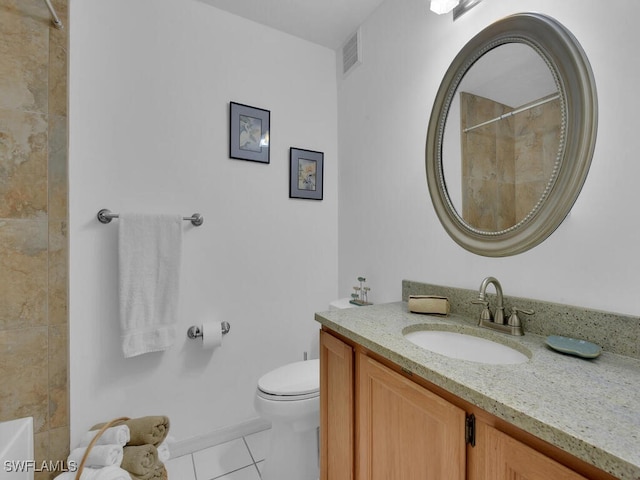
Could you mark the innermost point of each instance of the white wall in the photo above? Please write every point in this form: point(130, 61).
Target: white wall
point(150, 84)
point(389, 230)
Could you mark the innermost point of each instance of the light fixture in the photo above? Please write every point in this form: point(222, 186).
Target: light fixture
point(443, 6)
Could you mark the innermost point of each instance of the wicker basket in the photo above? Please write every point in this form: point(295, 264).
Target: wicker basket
point(112, 423)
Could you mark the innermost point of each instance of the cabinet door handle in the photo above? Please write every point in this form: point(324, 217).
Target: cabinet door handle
point(470, 429)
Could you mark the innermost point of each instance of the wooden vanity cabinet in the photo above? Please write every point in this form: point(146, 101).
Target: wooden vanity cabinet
point(336, 409)
point(379, 423)
point(404, 430)
point(497, 456)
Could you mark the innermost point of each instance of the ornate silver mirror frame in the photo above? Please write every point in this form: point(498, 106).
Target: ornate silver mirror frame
point(572, 72)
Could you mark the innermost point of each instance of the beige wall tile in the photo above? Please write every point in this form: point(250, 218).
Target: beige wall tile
point(58, 376)
point(506, 215)
point(62, 7)
point(24, 376)
point(59, 443)
point(58, 69)
point(33, 223)
point(41, 450)
point(23, 283)
point(24, 55)
point(58, 169)
point(23, 164)
point(51, 449)
point(58, 292)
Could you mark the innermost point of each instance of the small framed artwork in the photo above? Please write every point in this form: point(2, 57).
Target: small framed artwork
point(305, 174)
point(249, 133)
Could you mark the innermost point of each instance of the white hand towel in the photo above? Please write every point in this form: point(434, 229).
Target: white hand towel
point(105, 473)
point(118, 435)
point(99, 456)
point(149, 270)
point(163, 452)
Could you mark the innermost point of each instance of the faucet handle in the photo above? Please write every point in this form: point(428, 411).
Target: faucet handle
point(486, 312)
point(514, 320)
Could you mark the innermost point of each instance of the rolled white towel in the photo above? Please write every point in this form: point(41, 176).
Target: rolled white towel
point(104, 473)
point(163, 452)
point(99, 456)
point(119, 435)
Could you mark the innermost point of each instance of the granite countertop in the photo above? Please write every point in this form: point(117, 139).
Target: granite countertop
point(589, 408)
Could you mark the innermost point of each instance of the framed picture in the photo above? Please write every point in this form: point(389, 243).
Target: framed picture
point(305, 174)
point(249, 133)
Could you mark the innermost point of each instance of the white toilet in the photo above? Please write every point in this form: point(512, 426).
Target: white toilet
point(289, 397)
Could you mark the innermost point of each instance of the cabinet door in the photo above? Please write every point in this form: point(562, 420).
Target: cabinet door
point(405, 432)
point(336, 409)
point(500, 457)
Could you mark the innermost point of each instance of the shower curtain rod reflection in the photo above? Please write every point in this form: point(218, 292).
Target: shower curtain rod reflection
point(521, 109)
point(105, 216)
point(55, 20)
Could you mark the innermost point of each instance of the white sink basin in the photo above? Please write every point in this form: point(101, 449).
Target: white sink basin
point(466, 347)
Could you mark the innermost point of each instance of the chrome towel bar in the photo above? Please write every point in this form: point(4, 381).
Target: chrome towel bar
point(105, 216)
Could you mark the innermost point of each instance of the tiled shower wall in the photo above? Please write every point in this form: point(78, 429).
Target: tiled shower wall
point(33, 223)
point(507, 164)
point(488, 175)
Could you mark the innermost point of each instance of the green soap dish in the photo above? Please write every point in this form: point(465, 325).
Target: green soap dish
point(572, 346)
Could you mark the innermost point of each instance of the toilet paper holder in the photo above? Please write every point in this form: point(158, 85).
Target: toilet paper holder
point(196, 332)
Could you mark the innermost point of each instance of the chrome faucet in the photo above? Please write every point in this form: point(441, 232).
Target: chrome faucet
point(486, 314)
point(496, 322)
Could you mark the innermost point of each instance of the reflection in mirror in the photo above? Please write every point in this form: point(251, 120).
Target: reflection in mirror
point(502, 138)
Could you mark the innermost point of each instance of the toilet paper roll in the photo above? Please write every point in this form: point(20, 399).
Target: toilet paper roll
point(211, 335)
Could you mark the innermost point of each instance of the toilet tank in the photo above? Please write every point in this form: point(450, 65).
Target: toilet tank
point(340, 304)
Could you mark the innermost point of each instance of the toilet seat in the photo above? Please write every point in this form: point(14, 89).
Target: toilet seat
point(287, 398)
point(291, 382)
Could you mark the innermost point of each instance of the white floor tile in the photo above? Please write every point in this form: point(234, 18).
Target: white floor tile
point(247, 473)
point(216, 461)
point(181, 467)
point(258, 443)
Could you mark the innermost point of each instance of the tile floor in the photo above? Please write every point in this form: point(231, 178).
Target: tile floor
point(239, 459)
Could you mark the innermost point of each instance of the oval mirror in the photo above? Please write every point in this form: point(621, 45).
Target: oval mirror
point(511, 135)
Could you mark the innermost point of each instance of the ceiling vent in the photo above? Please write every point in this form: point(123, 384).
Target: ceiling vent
point(352, 53)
